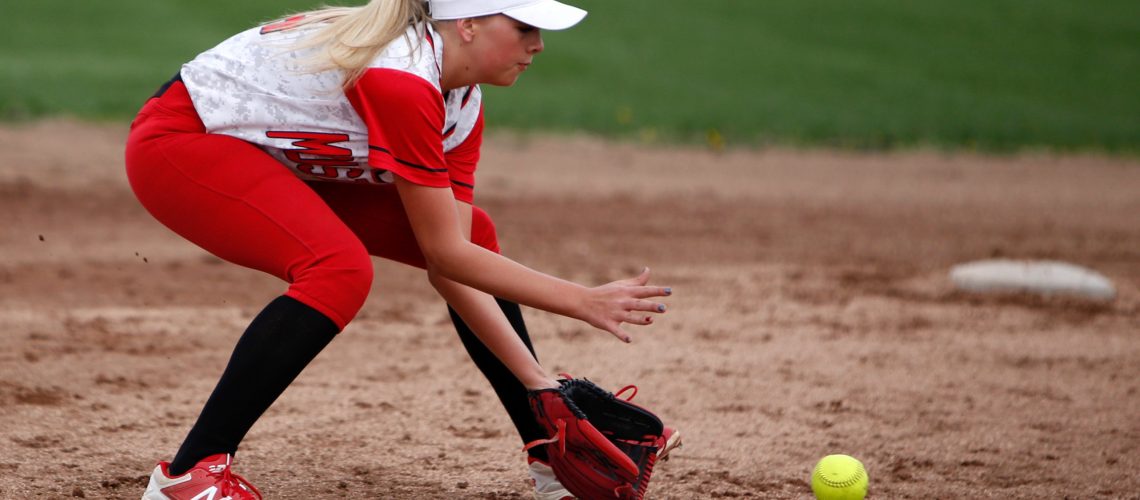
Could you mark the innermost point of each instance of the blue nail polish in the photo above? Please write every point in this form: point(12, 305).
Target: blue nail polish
point(668, 290)
point(660, 307)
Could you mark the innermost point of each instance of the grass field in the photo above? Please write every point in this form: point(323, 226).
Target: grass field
point(995, 75)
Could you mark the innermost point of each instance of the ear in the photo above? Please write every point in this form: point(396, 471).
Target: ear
point(466, 29)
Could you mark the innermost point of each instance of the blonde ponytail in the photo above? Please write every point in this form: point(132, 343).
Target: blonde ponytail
point(351, 37)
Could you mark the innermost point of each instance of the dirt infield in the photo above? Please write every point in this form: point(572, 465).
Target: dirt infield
point(812, 314)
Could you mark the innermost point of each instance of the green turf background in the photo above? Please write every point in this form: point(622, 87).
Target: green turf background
point(996, 75)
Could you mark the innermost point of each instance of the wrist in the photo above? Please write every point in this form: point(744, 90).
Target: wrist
point(543, 382)
point(578, 303)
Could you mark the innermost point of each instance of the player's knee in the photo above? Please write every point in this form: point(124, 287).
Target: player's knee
point(483, 230)
point(356, 276)
point(339, 281)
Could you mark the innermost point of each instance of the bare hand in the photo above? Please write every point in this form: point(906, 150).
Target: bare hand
point(623, 301)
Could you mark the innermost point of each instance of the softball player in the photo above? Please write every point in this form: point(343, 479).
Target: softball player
point(303, 147)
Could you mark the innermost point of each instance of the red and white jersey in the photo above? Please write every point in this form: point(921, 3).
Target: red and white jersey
point(393, 120)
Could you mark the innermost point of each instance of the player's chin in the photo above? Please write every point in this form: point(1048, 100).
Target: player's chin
point(506, 79)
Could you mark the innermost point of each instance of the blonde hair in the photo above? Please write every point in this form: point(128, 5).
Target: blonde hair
point(351, 37)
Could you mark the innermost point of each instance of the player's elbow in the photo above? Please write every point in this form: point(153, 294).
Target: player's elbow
point(445, 259)
point(436, 279)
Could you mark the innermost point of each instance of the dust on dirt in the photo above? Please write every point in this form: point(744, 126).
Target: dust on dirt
point(812, 315)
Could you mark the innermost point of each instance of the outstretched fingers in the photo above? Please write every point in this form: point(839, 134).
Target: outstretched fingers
point(637, 318)
point(637, 286)
point(628, 301)
point(644, 292)
point(639, 311)
point(632, 318)
point(645, 305)
point(620, 333)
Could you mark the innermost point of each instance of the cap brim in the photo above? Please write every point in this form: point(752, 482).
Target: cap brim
point(547, 15)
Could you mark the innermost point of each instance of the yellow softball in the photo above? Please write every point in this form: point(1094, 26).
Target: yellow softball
point(839, 477)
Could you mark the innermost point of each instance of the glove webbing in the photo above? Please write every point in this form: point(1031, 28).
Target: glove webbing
point(602, 405)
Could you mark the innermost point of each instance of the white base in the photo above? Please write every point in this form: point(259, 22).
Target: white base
point(1041, 277)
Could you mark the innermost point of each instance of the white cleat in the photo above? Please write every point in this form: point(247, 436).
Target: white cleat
point(546, 486)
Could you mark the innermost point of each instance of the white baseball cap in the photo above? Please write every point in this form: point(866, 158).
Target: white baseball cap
point(543, 14)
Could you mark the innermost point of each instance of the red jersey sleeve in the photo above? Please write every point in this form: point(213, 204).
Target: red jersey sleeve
point(462, 160)
point(404, 115)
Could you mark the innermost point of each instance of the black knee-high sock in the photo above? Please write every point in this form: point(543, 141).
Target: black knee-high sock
point(511, 392)
point(278, 344)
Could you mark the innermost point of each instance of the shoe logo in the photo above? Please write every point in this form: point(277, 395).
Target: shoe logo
point(216, 469)
point(208, 493)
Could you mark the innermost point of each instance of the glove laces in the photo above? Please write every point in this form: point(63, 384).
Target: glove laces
point(559, 437)
point(626, 388)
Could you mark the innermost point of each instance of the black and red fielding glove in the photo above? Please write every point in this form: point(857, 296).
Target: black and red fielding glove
point(600, 446)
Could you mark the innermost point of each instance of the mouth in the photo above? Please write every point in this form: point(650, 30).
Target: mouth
point(524, 65)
